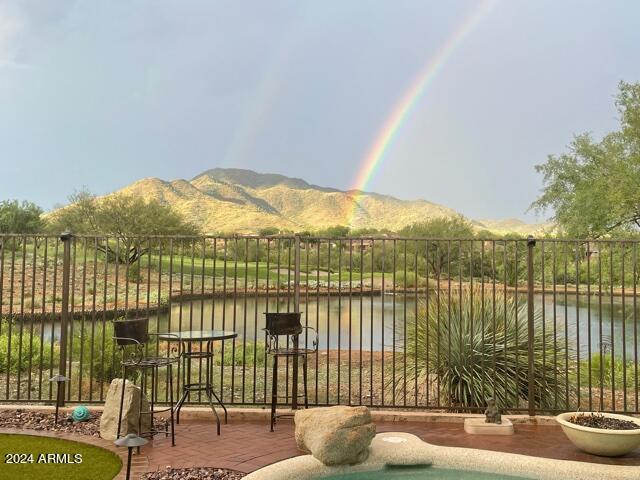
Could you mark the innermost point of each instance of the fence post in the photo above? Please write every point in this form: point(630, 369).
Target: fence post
point(531, 243)
point(66, 238)
point(296, 308)
point(296, 275)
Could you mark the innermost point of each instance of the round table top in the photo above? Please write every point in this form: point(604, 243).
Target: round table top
point(198, 335)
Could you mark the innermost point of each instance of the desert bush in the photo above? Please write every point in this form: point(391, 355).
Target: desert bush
point(236, 358)
point(24, 351)
point(610, 369)
point(475, 359)
point(100, 355)
point(409, 280)
point(133, 273)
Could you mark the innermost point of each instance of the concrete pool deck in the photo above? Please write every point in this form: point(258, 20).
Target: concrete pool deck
point(246, 444)
point(404, 449)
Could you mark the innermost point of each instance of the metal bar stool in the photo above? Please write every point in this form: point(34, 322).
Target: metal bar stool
point(287, 324)
point(132, 337)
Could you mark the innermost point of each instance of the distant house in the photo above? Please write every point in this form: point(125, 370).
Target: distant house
point(363, 245)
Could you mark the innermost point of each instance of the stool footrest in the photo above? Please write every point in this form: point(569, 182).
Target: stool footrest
point(168, 409)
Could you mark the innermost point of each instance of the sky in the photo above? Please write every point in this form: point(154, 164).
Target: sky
point(100, 93)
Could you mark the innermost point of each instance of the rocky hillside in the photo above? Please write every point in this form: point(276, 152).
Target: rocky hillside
point(244, 201)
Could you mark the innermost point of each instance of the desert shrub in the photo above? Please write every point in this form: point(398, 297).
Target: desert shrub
point(409, 280)
point(612, 371)
point(474, 360)
point(133, 274)
point(99, 360)
point(236, 358)
point(30, 349)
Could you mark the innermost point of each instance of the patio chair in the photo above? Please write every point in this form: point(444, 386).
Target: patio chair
point(283, 340)
point(132, 336)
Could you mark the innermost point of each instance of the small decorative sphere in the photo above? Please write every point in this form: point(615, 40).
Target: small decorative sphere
point(80, 414)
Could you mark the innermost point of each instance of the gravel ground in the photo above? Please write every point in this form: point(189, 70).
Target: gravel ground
point(45, 421)
point(193, 474)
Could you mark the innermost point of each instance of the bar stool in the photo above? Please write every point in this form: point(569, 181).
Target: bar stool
point(287, 324)
point(132, 337)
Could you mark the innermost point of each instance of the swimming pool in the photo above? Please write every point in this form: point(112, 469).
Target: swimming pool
point(420, 473)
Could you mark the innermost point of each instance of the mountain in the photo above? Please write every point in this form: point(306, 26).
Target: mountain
point(244, 201)
point(514, 225)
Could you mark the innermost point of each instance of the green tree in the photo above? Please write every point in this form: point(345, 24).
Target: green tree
point(336, 231)
point(124, 218)
point(268, 231)
point(440, 254)
point(20, 217)
point(594, 188)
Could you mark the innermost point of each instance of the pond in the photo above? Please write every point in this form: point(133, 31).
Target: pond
point(369, 322)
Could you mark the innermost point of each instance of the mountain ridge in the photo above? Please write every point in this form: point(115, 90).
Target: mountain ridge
point(245, 201)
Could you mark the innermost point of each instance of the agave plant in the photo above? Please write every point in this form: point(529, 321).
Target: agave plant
point(472, 348)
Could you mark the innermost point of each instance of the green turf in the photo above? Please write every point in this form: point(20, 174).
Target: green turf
point(97, 463)
point(242, 269)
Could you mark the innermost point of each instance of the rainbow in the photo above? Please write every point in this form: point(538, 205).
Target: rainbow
point(411, 97)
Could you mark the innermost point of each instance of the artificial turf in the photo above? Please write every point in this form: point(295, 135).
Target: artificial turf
point(90, 463)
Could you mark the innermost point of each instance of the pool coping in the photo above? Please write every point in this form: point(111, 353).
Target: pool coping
point(411, 450)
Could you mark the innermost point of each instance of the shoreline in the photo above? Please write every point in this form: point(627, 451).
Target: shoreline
point(114, 311)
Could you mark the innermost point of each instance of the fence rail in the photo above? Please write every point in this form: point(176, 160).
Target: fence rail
point(439, 324)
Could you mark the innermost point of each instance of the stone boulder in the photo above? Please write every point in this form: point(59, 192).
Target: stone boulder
point(335, 435)
point(130, 408)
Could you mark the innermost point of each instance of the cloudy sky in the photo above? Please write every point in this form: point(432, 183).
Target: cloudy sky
point(101, 93)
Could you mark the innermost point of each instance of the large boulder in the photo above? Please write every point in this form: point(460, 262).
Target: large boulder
point(335, 435)
point(130, 409)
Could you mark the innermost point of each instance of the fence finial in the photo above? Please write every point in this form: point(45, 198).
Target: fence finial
point(531, 242)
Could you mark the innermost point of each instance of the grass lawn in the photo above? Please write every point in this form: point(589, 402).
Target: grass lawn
point(96, 463)
point(243, 269)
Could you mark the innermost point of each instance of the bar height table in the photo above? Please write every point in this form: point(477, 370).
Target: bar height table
point(186, 339)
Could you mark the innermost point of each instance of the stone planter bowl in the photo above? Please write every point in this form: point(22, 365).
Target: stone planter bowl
point(597, 441)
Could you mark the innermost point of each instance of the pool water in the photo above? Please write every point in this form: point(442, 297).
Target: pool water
point(421, 473)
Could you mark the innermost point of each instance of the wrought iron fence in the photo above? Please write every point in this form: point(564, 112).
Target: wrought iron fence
point(403, 322)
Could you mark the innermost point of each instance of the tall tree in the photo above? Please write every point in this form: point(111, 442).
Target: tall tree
point(123, 217)
point(441, 252)
point(594, 188)
point(20, 217)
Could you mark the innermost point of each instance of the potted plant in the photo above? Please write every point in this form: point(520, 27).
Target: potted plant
point(606, 434)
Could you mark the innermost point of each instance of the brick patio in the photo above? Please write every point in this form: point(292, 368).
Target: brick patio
point(247, 446)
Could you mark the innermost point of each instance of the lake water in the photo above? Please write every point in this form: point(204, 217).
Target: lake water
point(370, 322)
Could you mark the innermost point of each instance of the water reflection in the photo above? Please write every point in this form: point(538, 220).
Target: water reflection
point(368, 323)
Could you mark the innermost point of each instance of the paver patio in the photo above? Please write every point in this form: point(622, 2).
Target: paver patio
point(247, 446)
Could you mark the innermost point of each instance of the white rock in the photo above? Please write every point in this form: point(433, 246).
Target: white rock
point(335, 435)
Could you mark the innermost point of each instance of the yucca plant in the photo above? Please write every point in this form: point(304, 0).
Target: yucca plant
point(473, 349)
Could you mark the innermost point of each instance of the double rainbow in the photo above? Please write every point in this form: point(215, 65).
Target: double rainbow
point(411, 97)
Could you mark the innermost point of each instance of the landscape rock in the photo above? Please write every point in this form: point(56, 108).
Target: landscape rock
point(337, 435)
point(130, 408)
